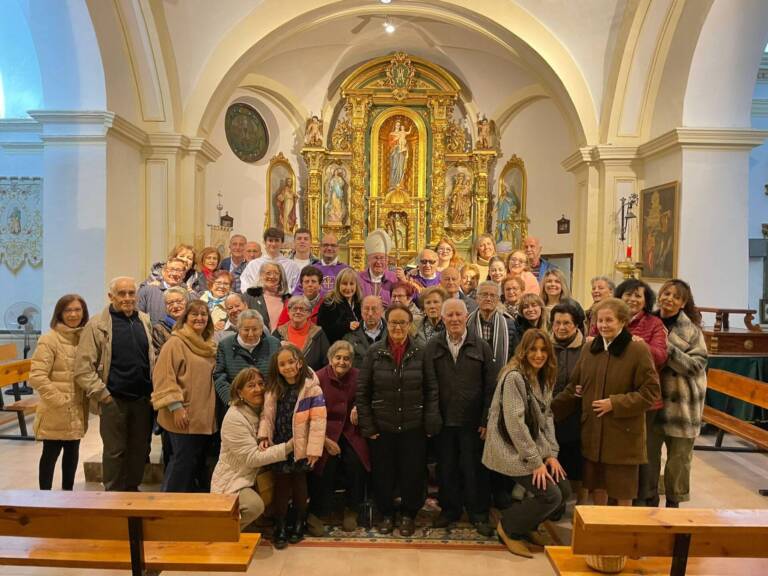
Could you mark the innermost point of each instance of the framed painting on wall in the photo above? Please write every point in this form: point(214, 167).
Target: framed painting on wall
point(659, 218)
point(246, 132)
point(510, 211)
point(283, 208)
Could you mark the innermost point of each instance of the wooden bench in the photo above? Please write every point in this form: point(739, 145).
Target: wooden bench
point(123, 530)
point(718, 542)
point(12, 374)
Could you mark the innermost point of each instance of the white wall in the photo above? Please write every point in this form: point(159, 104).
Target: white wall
point(538, 134)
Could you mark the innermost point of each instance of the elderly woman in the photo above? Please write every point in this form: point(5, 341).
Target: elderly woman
point(340, 312)
point(250, 346)
point(484, 250)
point(207, 263)
point(683, 388)
point(470, 277)
point(185, 399)
point(397, 408)
point(404, 294)
point(517, 264)
point(183, 252)
point(61, 419)
point(176, 299)
point(447, 255)
point(241, 458)
point(602, 288)
point(219, 288)
point(512, 288)
point(305, 335)
point(520, 440)
point(615, 383)
point(431, 324)
point(346, 451)
point(270, 295)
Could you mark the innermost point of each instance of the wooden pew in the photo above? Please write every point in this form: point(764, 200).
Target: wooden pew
point(718, 542)
point(123, 530)
point(12, 374)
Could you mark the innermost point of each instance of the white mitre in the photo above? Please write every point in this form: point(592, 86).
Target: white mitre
point(378, 242)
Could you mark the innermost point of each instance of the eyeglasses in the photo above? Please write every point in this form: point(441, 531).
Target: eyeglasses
point(325, 245)
point(175, 270)
point(175, 303)
point(221, 284)
point(399, 323)
point(430, 262)
point(487, 296)
point(299, 309)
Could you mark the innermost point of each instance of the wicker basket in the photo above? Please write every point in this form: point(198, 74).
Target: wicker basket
point(606, 564)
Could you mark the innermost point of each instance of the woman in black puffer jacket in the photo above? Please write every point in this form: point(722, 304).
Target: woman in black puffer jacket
point(397, 408)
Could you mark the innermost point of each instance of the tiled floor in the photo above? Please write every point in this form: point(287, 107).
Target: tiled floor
point(720, 479)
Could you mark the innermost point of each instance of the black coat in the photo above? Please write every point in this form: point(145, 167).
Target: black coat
point(465, 387)
point(394, 398)
point(568, 431)
point(361, 343)
point(335, 319)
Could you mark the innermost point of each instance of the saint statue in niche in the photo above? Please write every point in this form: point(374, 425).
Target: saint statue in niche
point(313, 134)
point(460, 200)
point(398, 154)
point(286, 199)
point(506, 211)
point(336, 194)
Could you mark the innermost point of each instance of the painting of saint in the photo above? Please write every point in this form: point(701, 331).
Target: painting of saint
point(286, 199)
point(336, 211)
point(658, 233)
point(460, 199)
point(508, 207)
point(399, 154)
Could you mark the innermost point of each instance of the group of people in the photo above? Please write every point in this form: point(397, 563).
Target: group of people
point(306, 371)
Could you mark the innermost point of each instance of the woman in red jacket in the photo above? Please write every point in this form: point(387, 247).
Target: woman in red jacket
point(640, 299)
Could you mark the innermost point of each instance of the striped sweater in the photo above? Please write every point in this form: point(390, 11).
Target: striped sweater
point(309, 418)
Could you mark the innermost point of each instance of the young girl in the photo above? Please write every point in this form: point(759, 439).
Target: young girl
point(294, 408)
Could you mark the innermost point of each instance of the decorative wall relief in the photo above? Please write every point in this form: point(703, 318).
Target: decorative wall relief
point(21, 222)
point(246, 132)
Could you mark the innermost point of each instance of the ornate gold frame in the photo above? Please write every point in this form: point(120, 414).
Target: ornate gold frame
point(521, 222)
point(275, 161)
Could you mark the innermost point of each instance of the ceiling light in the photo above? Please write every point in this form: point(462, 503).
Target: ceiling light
point(385, 1)
point(389, 28)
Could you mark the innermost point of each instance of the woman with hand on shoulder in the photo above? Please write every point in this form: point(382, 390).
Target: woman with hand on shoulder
point(683, 389)
point(219, 288)
point(61, 419)
point(520, 440)
point(241, 457)
point(185, 399)
point(176, 299)
point(305, 335)
point(340, 312)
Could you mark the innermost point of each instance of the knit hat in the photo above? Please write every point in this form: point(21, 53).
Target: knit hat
point(378, 242)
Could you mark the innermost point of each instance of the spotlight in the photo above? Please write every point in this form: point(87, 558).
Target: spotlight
point(385, 1)
point(389, 28)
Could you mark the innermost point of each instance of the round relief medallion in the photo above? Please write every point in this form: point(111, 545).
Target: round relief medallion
point(246, 132)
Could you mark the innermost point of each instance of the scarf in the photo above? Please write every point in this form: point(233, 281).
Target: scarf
point(205, 348)
point(500, 335)
point(298, 336)
point(71, 335)
point(213, 301)
point(397, 350)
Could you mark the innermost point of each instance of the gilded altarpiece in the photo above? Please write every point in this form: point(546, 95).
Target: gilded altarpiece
point(396, 158)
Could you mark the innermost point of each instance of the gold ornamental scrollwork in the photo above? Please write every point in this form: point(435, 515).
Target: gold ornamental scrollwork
point(315, 160)
point(401, 76)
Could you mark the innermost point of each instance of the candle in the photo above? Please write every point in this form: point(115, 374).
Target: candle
point(629, 251)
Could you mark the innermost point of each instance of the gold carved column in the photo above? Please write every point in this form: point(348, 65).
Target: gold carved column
point(482, 161)
point(359, 107)
point(315, 159)
point(441, 109)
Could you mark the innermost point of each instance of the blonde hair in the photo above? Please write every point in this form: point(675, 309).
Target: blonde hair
point(565, 292)
point(335, 296)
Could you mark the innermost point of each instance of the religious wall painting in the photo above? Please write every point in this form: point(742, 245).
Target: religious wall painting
point(283, 208)
point(459, 182)
point(336, 195)
point(21, 222)
point(659, 215)
point(510, 212)
point(246, 132)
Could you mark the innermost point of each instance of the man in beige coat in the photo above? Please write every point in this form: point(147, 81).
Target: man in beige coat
point(113, 364)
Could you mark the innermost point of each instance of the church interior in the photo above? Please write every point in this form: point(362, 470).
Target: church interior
point(627, 136)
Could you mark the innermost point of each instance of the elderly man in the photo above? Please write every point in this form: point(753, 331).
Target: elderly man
point(236, 261)
point(425, 275)
point(151, 295)
point(234, 304)
point(113, 364)
point(538, 265)
point(329, 265)
point(450, 280)
point(274, 238)
point(302, 248)
point(376, 279)
point(372, 329)
point(252, 251)
point(493, 325)
point(463, 366)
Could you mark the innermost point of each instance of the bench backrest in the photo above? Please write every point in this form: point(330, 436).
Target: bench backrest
point(737, 386)
point(619, 530)
point(14, 372)
point(8, 352)
point(104, 515)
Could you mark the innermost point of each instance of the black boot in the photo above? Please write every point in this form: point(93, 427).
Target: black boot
point(280, 534)
point(297, 534)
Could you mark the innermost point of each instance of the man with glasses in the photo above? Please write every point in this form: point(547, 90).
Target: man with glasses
point(236, 261)
point(371, 330)
point(426, 274)
point(329, 264)
point(376, 279)
point(493, 324)
point(151, 296)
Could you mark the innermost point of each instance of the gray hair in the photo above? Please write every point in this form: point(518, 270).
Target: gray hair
point(611, 283)
point(299, 299)
point(283, 288)
point(236, 295)
point(177, 290)
point(249, 314)
point(113, 283)
point(453, 300)
point(496, 287)
point(338, 345)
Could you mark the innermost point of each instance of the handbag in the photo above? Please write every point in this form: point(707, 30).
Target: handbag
point(530, 418)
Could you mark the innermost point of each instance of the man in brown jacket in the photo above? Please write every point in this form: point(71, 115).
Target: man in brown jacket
point(113, 365)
